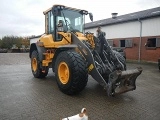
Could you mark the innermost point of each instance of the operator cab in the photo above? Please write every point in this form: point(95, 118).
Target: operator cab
point(64, 19)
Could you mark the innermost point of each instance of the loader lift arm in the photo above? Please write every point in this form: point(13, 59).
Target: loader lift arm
point(118, 80)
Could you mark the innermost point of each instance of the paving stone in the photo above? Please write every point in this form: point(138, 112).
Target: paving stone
point(23, 97)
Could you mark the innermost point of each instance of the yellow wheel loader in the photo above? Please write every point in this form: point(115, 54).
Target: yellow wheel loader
point(73, 54)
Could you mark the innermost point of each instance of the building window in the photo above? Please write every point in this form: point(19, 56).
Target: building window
point(153, 42)
point(122, 43)
point(126, 43)
point(157, 42)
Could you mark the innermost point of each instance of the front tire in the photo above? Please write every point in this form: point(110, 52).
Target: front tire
point(36, 66)
point(71, 72)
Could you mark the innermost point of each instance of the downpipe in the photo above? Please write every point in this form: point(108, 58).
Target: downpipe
point(140, 41)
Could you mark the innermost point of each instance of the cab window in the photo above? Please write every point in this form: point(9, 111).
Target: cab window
point(50, 22)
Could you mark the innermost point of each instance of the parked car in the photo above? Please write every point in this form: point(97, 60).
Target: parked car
point(120, 50)
point(159, 63)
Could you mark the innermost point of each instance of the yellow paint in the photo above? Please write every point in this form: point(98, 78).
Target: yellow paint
point(91, 39)
point(63, 73)
point(48, 57)
point(34, 64)
point(82, 38)
point(49, 41)
point(90, 68)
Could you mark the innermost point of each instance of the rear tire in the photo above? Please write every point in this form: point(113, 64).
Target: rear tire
point(36, 66)
point(71, 72)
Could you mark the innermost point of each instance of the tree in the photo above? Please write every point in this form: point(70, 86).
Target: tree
point(25, 42)
point(9, 41)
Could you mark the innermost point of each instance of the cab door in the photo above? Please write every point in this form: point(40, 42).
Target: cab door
point(50, 24)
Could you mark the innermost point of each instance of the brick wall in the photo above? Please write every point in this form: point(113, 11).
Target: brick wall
point(133, 52)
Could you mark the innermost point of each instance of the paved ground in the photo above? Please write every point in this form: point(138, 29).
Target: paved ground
point(22, 97)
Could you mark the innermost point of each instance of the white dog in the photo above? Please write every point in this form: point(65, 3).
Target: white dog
point(81, 116)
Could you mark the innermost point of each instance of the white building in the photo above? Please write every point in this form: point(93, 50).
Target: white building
point(138, 33)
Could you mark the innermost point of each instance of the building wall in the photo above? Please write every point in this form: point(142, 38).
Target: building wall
point(123, 30)
point(150, 27)
point(147, 54)
point(131, 30)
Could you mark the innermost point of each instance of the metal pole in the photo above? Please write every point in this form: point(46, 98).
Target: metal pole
point(140, 41)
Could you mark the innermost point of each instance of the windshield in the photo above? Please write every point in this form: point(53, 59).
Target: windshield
point(72, 19)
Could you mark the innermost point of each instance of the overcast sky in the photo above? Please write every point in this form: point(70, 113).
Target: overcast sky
point(25, 17)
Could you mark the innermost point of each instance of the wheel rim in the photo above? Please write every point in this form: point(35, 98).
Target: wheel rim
point(34, 64)
point(63, 73)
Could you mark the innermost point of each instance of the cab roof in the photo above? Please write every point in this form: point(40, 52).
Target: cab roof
point(45, 12)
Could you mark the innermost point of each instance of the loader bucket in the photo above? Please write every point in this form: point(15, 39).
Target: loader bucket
point(122, 81)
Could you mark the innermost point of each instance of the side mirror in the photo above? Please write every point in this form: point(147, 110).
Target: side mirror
point(91, 16)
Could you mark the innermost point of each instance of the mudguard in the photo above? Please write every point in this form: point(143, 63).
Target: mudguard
point(40, 50)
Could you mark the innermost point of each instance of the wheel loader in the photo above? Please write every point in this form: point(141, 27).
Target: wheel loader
point(73, 54)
